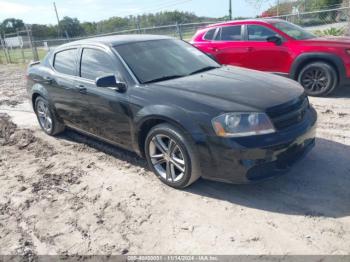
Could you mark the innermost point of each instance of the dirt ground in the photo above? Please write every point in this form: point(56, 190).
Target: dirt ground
point(74, 195)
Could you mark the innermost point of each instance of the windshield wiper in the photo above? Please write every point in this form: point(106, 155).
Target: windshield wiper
point(163, 78)
point(207, 68)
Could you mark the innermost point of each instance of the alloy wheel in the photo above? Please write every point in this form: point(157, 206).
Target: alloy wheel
point(167, 158)
point(44, 116)
point(315, 80)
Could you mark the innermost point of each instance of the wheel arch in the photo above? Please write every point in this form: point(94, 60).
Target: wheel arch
point(149, 117)
point(34, 97)
point(304, 59)
point(38, 90)
point(148, 123)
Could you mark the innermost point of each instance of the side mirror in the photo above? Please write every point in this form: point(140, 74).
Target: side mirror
point(275, 39)
point(111, 82)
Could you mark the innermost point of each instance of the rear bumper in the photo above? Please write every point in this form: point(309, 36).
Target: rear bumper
point(252, 159)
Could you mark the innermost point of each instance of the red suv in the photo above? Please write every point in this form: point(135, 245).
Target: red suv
point(276, 46)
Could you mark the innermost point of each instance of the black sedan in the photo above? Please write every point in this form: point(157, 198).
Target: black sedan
point(169, 102)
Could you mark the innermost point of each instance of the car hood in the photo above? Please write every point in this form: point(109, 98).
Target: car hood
point(246, 87)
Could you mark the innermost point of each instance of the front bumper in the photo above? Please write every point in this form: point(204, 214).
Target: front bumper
point(284, 160)
point(244, 160)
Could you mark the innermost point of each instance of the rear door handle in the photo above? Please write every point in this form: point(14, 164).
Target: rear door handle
point(81, 88)
point(249, 49)
point(214, 49)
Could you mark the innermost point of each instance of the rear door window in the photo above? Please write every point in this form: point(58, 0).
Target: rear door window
point(230, 33)
point(65, 62)
point(210, 34)
point(95, 63)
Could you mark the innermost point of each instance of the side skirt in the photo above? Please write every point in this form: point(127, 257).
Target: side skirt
point(99, 138)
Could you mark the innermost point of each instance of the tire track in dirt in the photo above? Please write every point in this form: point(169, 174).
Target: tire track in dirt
point(53, 173)
point(12, 85)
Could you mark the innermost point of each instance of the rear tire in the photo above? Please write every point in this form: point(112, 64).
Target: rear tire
point(318, 79)
point(171, 156)
point(47, 118)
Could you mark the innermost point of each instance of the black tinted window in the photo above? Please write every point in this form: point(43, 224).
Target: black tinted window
point(259, 33)
point(65, 62)
point(210, 34)
point(231, 33)
point(95, 63)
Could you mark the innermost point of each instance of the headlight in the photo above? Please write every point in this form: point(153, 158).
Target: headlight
point(242, 124)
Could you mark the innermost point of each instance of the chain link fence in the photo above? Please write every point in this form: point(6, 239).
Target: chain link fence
point(337, 18)
point(21, 47)
point(18, 47)
point(181, 31)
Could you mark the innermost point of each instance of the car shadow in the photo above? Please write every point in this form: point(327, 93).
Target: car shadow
point(117, 152)
point(317, 186)
point(342, 92)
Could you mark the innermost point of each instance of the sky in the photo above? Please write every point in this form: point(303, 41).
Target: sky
point(42, 11)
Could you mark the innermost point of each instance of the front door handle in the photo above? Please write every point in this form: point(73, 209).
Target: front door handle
point(81, 88)
point(249, 49)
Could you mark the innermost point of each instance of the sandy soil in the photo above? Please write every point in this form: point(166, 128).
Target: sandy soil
point(74, 195)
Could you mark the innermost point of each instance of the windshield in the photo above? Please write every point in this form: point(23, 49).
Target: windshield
point(293, 31)
point(159, 60)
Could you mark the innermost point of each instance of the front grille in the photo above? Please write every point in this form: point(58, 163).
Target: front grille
point(288, 114)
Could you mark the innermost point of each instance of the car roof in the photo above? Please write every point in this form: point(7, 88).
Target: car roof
point(260, 20)
point(115, 40)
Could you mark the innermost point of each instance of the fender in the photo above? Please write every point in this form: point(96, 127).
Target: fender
point(302, 59)
point(170, 114)
point(38, 89)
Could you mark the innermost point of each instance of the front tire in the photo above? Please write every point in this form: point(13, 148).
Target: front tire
point(318, 79)
point(171, 156)
point(47, 118)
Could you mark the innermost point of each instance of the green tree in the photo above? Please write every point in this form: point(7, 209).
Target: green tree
point(43, 31)
point(74, 28)
point(331, 3)
point(113, 24)
point(148, 20)
point(71, 26)
point(89, 28)
point(11, 25)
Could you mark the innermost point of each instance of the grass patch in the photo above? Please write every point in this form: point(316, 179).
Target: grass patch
point(21, 55)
